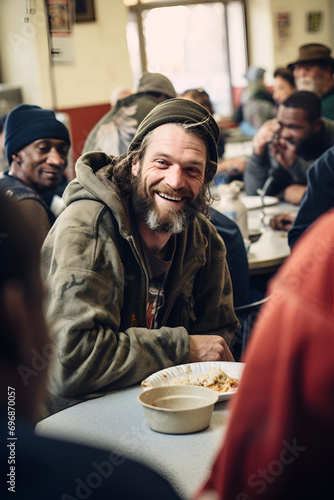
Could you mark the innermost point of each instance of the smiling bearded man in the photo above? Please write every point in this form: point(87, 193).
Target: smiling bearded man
point(166, 205)
point(136, 275)
point(144, 206)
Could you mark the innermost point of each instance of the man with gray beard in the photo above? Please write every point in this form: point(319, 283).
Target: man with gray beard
point(313, 71)
point(136, 275)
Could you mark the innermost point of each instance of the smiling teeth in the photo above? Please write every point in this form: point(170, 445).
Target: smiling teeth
point(171, 198)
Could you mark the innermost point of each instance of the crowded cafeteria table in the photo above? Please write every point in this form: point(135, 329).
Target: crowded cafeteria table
point(116, 421)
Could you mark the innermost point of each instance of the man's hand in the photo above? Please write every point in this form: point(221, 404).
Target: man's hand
point(208, 348)
point(265, 135)
point(284, 152)
point(282, 222)
point(294, 193)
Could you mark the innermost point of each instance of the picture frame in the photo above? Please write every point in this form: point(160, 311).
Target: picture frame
point(84, 11)
point(314, 21)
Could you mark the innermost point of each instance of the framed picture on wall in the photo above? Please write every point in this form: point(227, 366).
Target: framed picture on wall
point(314, 21)
point(84, 11)
point(283, 24)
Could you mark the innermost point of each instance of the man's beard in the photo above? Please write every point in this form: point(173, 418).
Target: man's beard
point(307, 83)
point(173, 221)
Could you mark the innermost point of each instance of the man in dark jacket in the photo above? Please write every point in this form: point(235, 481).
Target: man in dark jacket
point(285, 148)
point(37, 146)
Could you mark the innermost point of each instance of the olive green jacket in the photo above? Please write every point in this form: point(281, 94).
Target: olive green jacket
point(96, 292)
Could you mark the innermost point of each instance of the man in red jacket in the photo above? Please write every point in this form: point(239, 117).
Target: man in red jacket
point(280, 439)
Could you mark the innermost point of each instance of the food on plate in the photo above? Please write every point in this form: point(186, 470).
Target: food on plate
point(215, 379)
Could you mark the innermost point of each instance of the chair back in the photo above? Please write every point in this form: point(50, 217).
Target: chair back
point(246, 315)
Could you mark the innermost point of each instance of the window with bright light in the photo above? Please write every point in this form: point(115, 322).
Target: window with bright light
point(197, 45)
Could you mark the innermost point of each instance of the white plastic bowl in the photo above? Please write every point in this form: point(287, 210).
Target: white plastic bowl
point(178, 409)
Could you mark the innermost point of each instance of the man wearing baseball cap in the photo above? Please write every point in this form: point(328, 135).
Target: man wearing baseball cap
point(116, 129)
point(136, 275)
point(313, 71)
point(36, 145)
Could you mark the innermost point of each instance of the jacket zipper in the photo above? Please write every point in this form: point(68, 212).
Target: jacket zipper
point(141, 263)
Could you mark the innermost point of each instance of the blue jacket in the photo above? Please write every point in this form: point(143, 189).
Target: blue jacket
point(319, 196)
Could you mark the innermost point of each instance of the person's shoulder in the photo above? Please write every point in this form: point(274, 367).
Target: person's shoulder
point(312, 256)
point(11, 181)
point(328, 95)
point(203, 222)
point(328, 123)
point(220, 220)
point(203, 225)
point(13, 186)
point(82, 215)
point(327, 104)
point(145, 103)
point(323, 165)
point(139, 99)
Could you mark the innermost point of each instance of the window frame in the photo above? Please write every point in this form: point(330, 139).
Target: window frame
point(138, 9)
point(135, 13)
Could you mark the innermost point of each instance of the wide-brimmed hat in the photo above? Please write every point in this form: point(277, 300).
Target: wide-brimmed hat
point(313, 52)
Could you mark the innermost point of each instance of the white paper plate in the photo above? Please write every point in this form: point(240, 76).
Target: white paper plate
point(252, 202)
point(166, 375)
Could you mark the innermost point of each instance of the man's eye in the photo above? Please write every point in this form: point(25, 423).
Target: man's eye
point(193, 170)
point(161, 162)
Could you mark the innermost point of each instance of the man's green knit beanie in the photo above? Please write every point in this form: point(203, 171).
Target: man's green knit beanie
point(188, 112)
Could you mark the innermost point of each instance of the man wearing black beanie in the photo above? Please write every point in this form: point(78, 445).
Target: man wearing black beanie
point(37, 147)
point(136, 275)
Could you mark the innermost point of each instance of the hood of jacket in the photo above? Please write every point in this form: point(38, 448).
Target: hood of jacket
point(92, 183)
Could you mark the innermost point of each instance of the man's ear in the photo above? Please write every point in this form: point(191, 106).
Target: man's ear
point(17, 157)
point(316, 125)
point(135, 167)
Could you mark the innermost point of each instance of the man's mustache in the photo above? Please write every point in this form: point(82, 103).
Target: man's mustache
point(173, 193)
point(306, 83)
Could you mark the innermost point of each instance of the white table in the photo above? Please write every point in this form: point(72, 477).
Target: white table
point(270, 251)
point(117, 421)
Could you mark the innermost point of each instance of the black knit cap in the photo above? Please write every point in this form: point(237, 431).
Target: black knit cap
point(180, 110)
point(27, 123)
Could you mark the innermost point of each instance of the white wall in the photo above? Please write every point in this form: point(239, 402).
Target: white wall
point(101, 60)
point(260, 37)
point(269, 51)
point(19, 49)
point(288, 51)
